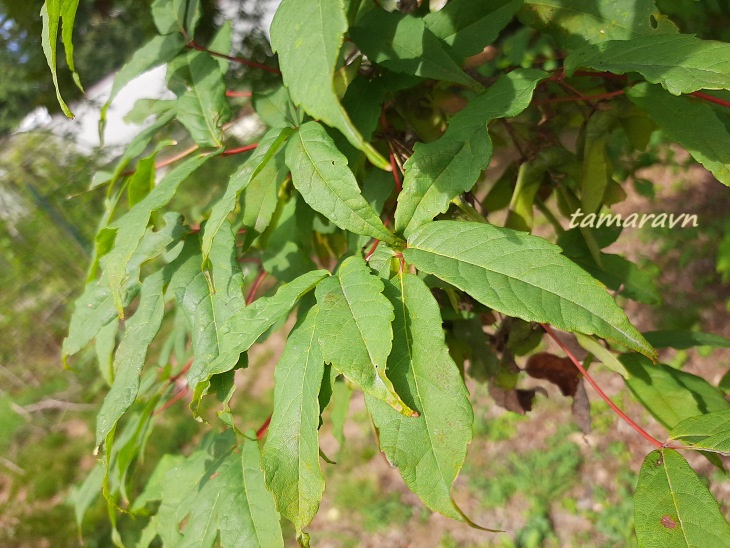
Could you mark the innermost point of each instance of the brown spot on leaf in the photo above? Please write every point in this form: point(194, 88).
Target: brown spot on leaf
point(668, 522)
point(559, 371)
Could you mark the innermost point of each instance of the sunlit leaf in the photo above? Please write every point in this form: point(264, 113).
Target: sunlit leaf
point(523, 276)
point(319, 26)
point(291, 454)
point(672, 507)
point(354, 329)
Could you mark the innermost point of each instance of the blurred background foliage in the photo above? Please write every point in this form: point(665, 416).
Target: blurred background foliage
point(47, 222)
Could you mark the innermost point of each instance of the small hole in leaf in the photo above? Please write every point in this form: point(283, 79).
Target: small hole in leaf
point(653, 22)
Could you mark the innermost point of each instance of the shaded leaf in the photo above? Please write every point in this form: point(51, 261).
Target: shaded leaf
point(355, 332)
point(520, 275)
point(441, 170)
point(320, 173)
point(672, 507)
point(710, 432)
point(290, 458)
point(681, 63)
point(682, 340)
point(262, 155)
point(691, 123)
point(176, 16)
point(603, 354)
point(286, 254)
point(131, 226)
point(575, 22)
point(668, 394)
point(129, 359)
point(428, 450)
point(203, 109)
point(260, 197)
point(402, 43)
point(468, 27)
point(319, 26)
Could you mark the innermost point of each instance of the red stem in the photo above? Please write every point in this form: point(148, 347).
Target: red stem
point(601, 393)
point(231, 93)
point(255, 287)
point(261, 432)
point(193, 44)
point(711, 98)
point(172, 401)
point(372, 250)
point(232, 151)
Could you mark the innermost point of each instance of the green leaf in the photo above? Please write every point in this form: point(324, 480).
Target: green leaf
point(222, 42)
point(158, 51)
point(144, 108)
point(428, 450)
point(176, 16)
point(131, 226)
point(575, 22)
point(441, 170)
point(203, 109)
point(267, 149)
point(261, 197)
point(290, 457)
point(249, 323)
point(233, 504)
point(84, 495)
point(468, 27)
point(319, 27)
point(402, 44)
point(672, 507)
point(355, 332)
point(596, 164)
point(681, 63)
point(603, 354)
point(275, 107)
point(218, 493)
point(690, 122)
point(709, 432)
point(129, 359)
point(106, 342)
point(286, 254)
point(208, 311)
point(52, 12)
point(523, 276)
point(682, 340)
point(320, 173)
point(671, 395)
point(142, 181)
point(95, 308)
